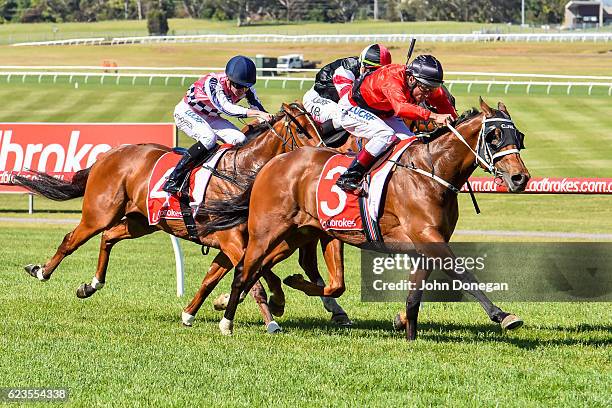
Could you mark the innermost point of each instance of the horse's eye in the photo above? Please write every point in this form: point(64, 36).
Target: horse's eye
point(493, 137)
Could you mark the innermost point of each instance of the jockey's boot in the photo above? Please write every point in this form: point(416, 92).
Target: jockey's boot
point(350, 180)
point(190, 159)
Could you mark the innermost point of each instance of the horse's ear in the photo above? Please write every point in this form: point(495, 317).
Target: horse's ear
point(502, 107)
point(485, 108)
point(284, 106)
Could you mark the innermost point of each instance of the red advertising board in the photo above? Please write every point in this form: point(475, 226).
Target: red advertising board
point(546, 185)
point(63, 148)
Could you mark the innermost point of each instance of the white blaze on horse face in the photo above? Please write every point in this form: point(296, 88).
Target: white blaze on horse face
point(331, 212)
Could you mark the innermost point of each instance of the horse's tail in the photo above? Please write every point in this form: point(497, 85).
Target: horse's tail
point(53, 188)
point(229, 211)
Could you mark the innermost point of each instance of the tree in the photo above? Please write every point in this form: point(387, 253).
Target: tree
point(157, 22)
point(392, 12)
point(8, 9)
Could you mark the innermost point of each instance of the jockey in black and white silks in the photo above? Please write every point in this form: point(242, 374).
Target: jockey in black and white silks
point(336, 79)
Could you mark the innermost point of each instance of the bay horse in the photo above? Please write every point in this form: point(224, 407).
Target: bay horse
point(114, 191)
point(420, 207)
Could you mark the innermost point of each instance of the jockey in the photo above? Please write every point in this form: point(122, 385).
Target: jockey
point(335, 79)
point(198, 114)
point(378, 102)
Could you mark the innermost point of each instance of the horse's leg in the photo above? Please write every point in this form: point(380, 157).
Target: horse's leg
point(333, 252)
point(434, 245)
point(71, 242)
point(218, 269)
point(128, 228)
point(247, 271)
point(276, 302)
point(413, 303)
point(308, 262)
point(261, 298)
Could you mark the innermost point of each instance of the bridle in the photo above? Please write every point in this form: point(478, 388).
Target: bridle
point(291, 137)
point(486, 153)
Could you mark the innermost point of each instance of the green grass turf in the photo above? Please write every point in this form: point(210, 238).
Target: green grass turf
point(125, 346)
point(10, 33)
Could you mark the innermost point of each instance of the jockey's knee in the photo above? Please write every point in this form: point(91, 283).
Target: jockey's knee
point(234, 138)
point(380, 142)
point(207, 141)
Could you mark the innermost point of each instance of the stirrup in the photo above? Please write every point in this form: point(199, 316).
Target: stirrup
point(355, 187)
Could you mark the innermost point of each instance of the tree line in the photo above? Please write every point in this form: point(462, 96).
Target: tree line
point(246, 12)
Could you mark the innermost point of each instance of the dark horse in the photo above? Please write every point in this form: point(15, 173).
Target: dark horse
point(419, 207)
point(114, 192)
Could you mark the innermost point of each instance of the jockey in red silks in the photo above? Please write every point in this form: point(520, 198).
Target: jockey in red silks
point(335, 79)
point(198, 114)
point(379, 101)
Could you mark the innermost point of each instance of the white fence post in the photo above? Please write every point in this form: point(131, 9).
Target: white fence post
point(180, 270)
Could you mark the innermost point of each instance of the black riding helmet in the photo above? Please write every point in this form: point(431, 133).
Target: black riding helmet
point(427, 70)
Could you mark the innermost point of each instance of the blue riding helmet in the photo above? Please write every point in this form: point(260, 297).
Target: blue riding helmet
point(241, 70)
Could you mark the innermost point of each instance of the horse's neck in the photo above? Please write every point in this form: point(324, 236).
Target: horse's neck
point(263, 147)
point(452, 159)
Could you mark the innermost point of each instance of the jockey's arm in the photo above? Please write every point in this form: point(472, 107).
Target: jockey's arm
point(401, 106)
point(343, 80)
point(253, 100)
point(221, 102)
point(439, 99)
point(256, 108)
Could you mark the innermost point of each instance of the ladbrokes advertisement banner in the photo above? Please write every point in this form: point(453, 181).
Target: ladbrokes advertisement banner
point(62, 149)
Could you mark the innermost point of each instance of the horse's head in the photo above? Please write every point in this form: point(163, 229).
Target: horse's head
point(499, 145)
point(299, 126)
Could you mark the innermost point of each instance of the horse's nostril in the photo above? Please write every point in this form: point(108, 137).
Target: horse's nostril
point(518, 179)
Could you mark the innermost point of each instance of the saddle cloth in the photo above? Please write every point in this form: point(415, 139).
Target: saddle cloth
point(163, 205)
point(339, 210)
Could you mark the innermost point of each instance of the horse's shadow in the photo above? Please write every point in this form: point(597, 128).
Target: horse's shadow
point(458, 332)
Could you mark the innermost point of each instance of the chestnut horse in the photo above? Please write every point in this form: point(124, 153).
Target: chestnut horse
point(114, 192)
point(419, 208)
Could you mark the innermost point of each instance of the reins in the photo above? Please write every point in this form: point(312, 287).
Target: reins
point(487, 162)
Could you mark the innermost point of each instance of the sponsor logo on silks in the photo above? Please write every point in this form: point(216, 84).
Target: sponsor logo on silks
point(321, 101)
point(361, 113)
point(342, 223)
point(194, 116)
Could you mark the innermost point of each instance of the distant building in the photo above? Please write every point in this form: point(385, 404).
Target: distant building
point(587, 13)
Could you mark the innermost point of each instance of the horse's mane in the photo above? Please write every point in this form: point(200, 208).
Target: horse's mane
point(255, 129)
point(464, 117)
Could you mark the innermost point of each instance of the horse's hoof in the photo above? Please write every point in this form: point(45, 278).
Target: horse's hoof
point(399, 323)
point(273, 328)
point(341, 319)
point(226, 327)
point(276, 309)
point(187, 319)
point(84, 291)
point(36, 271)
point(220, 303)
point(511, 322)
point(294, 281)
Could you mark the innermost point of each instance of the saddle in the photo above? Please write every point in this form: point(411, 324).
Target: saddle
point(335, 139)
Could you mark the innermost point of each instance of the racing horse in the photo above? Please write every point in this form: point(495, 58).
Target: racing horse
point(114, 191)
point(420, 207)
